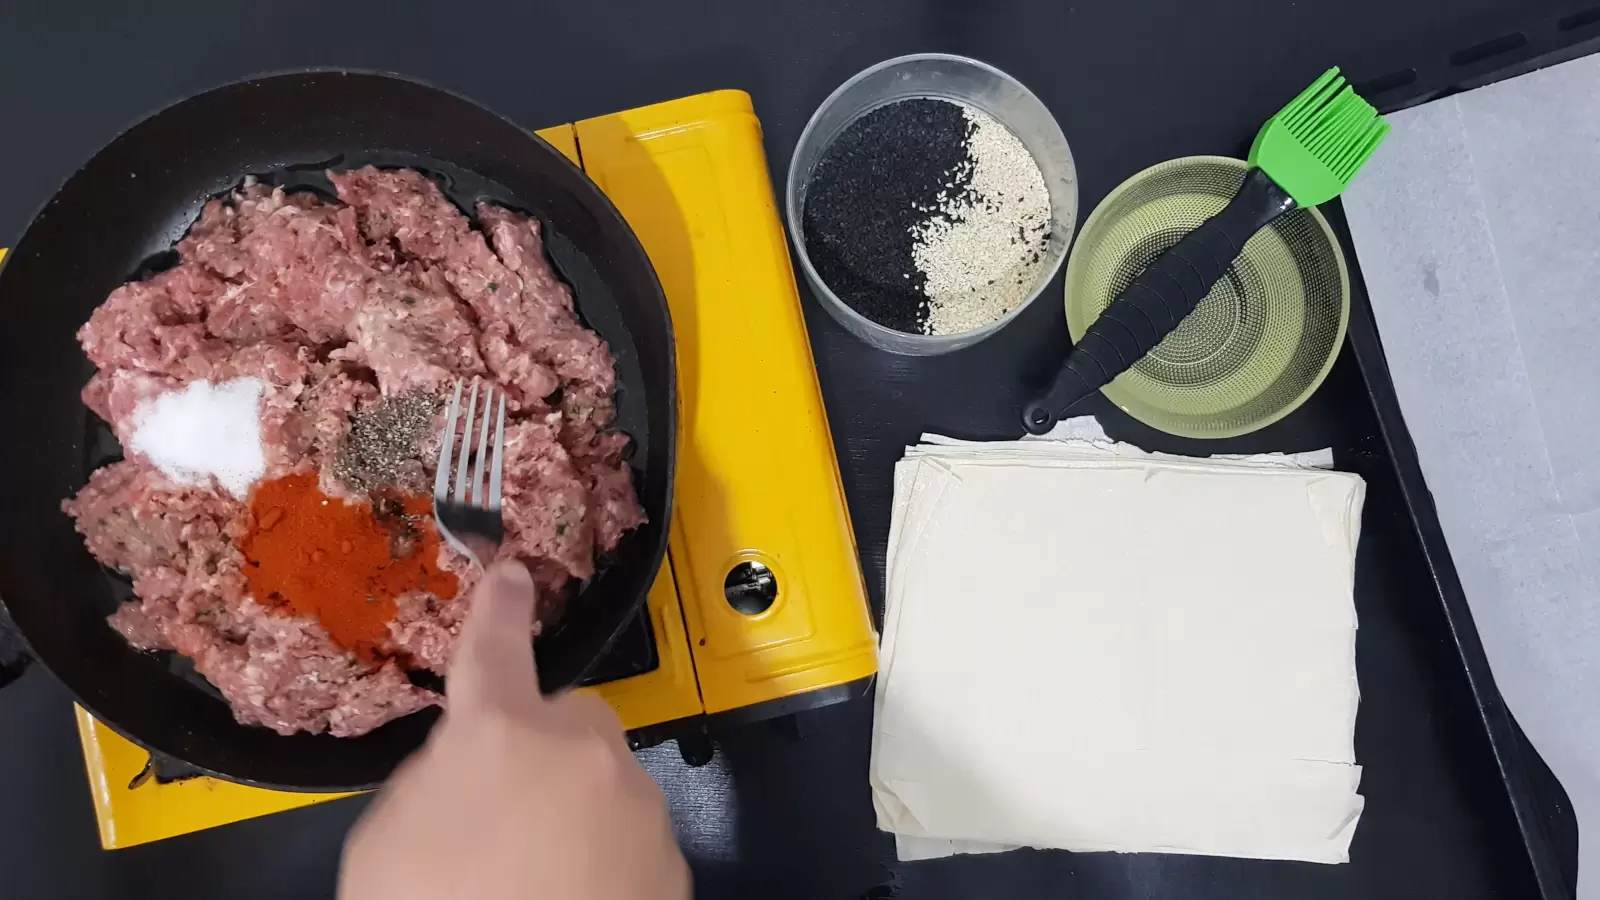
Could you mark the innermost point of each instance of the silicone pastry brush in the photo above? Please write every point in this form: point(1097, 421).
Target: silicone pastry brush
point(1305, 155)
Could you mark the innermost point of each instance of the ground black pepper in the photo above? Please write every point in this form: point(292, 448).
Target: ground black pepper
point(879, 178)
point(382, 439)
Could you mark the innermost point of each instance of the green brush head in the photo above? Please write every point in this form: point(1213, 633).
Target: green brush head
point(1314, 146)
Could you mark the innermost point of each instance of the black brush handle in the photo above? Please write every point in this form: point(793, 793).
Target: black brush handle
point(1153, 305)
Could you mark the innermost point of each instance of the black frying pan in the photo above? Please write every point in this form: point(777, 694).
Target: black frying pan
point(118, 215)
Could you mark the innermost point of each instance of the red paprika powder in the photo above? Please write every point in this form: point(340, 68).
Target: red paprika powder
point(341, 563)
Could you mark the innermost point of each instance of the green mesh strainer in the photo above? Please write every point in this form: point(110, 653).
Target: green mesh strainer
point(1259, 343)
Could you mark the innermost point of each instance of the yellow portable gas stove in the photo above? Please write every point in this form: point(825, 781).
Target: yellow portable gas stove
point(760, 609)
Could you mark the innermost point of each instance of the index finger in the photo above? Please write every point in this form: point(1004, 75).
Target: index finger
point(493, 659)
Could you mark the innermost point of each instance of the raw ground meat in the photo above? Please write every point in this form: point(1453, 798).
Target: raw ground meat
point(390, 291)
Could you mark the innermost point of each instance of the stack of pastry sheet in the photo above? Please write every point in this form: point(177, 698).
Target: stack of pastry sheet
point(1089, 647)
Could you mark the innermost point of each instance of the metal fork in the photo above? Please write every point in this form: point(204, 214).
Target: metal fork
point(468, 512)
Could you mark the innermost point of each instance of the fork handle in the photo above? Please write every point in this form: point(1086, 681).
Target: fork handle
point(1159, 299)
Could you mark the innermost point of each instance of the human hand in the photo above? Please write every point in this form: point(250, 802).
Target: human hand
point(515, 795)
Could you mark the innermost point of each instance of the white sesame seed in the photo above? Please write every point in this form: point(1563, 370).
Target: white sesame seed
point(982, 250)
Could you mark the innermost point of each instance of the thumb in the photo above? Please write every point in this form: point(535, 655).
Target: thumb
point(493, 659)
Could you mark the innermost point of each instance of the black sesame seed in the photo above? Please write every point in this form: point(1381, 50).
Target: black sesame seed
point(871, 186)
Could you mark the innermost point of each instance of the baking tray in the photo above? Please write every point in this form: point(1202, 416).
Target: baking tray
point(1539, 805)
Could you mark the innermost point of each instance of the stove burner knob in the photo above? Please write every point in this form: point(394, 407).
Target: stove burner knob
point(750, 588)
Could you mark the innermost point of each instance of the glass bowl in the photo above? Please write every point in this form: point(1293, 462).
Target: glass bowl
point(1260, 342)
point(938, 76)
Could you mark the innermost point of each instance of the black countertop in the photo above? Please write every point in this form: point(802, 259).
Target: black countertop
point(783, 810)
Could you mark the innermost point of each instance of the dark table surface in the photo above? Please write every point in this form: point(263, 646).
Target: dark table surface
point(783, 810)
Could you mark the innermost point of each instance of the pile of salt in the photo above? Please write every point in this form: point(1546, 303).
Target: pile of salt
point(205, 431)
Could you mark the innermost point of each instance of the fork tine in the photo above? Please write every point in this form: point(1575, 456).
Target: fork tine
point(459, 493)
point(499, 455)
point(441, 478)
point(478, 494)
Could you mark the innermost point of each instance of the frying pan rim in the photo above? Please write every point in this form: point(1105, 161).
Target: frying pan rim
point(152, 112)
point(594, 199)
